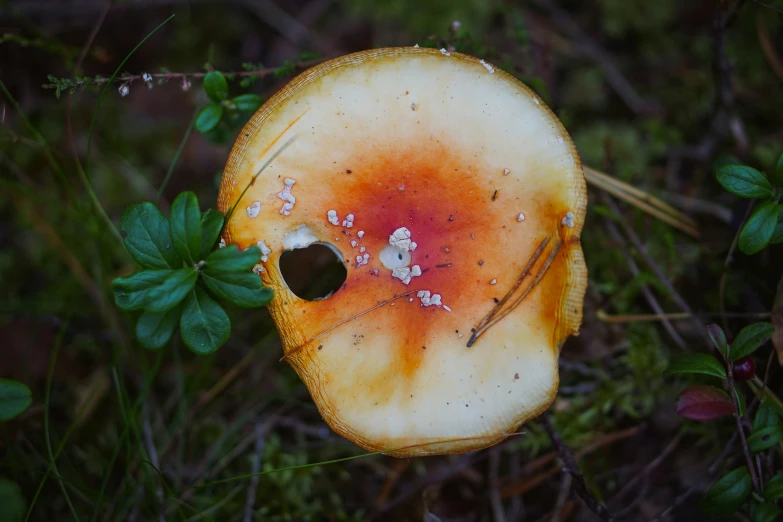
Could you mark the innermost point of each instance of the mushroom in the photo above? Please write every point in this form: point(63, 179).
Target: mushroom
point(445, 336)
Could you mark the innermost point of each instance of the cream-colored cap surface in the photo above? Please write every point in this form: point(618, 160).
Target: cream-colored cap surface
point(456, 174)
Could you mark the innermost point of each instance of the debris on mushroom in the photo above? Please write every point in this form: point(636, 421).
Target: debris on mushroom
point(254, 209)
point(265, 250)
point(286, 196)
point(416, 180)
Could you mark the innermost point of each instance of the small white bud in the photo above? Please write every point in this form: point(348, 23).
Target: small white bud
point(124, 89)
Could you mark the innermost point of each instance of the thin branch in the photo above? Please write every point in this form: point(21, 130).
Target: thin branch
point(740, 430)
point(567, 457)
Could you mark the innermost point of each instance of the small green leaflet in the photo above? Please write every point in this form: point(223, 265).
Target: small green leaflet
point(211, 225)
point(764, 512)
point(728, 494)
point(12, 504)
point(766, 416)
point(777, 235)
point(758, 230)
point(204, 324)
point(216, 86)
point(148, 239)
point(247, 102)
point(750, 338)
point(154, 329)
point(171, 291)
point(765, 438)
point(744, 181)
point(231, 259)
point(185, 221)
point(697, 363)
point(718, 338)
point(15, 398)
point(773, 490)
point(209, 117)
point(241, 288)
point(130, 293)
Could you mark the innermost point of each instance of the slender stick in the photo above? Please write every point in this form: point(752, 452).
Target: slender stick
point(565, 454)
point(745, 449)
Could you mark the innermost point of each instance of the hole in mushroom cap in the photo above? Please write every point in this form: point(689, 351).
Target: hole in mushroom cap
point(313, 273)
point(392, 257)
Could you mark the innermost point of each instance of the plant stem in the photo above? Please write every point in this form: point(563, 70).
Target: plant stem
point(751, 467)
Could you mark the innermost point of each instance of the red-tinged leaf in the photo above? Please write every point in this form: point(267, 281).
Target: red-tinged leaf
point(704, 403)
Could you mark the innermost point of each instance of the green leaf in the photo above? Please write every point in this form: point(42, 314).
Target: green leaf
point(231, 259)
point(744, 181)
point(248, 102)
point(148, 239)
point(718, 338)
point(757, 232)
point(12, 503)
point(763, 512)
point(130, 293)
point(209, 118)
point(241, 288)
point(750, 338)
point(216, 86)
point(778, 177)
point(766, 416)
point(171, 291)
point(15, 397)
point(697, 363)
point(211, 225)
point(204, 324)
point(728, 494)
point(154, 329)
point(773, 490)
point(765, 438)
point(186, 226)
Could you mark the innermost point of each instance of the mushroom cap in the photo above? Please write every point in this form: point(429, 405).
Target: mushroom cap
point(490, 188)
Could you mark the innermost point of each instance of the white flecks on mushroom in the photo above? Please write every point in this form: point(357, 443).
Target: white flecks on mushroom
point(265, 250)
point(254, 209)
point(487, 66)
point(362, 249)
point(448, 310)
point(568, 220)
point(428, 299)
point(536, 100)
point(286, 196)
point(222, 243)
point(401, 238)
point(259, 269)
point(360, 234)
point(354, 243)
point(506, 172)
point(415, 271)
point(403, 273)
point(560, 139)
point(520, 217)
point(444, 52)
point(348, 222)
point(332, 217)
point(300, 237)
point(410, 299)
point(493, 282)
point(362, 260)
point(375, 271)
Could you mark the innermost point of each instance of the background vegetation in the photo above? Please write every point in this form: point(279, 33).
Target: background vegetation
point(656, 94)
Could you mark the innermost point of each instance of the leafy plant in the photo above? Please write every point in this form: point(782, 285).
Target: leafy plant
point(706, 403)
point(180, 271)
point(221, 108)
point(765, 224)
